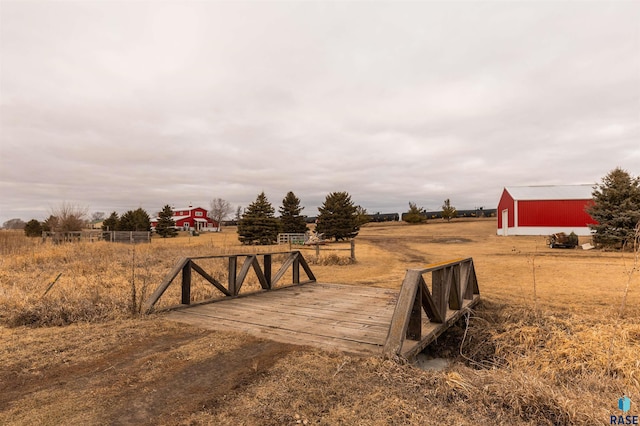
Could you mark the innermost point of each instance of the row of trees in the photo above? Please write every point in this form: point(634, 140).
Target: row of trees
point(417, 214)
point(132, 220)
point(66, 217)
point(69, 218)
point(339, 218)
point(616, 208)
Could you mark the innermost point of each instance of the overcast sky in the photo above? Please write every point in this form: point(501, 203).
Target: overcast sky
point(115, 105)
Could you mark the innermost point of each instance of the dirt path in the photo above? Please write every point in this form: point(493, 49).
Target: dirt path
point(152, 377)
point(398, 246)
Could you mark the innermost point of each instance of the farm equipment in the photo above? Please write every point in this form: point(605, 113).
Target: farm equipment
point(313, 238)
point(562, 240)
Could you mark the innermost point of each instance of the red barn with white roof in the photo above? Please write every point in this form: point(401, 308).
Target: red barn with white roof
point(545, 210)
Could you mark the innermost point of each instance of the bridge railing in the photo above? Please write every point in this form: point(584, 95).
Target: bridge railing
point(454, 290)
point(235, 277)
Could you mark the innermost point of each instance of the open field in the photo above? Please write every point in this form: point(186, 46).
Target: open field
point(81, 354)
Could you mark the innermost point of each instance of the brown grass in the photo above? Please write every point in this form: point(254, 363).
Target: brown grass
point(566, 365)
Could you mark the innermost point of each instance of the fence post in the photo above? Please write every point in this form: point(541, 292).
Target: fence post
point(233, 262)
point(186, 283)
point(414, 328)
point(317, 251)
point(296, 270)
point(353, 250)
point(440, 290)
point(267, 269)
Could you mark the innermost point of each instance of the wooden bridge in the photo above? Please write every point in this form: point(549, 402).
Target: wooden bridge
point(355, 319)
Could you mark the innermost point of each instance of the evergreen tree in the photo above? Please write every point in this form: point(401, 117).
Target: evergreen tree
point(33, 228)
point(290, 218)
point(338, 217)
point(415, 214)
point(166, 225)
point(111, 223)
point(616, 208)
point(135, 220)
point(448, 211)
point(50, 224)
point(258, 224)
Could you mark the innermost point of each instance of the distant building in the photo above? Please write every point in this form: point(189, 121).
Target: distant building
point(545, 210)
point(191, 218)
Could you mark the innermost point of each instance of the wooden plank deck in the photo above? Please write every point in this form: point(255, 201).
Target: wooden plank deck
point(329, 316)
point(347, 318)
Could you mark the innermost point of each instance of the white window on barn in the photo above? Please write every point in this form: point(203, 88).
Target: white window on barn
point(198, 213)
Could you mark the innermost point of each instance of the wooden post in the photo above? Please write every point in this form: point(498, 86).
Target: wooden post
point(296, 269)
point(267, 269)
point(186, 283)
point(414, 329)
point(455, 299)
point(440, 290)
point(402, 313)
point(353, 250)
point(233, 262)
point(317, 251)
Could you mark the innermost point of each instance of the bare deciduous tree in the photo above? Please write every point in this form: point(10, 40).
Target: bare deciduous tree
point(97, 216)
point(219, 210)
point(69, 217)
point(14, 224)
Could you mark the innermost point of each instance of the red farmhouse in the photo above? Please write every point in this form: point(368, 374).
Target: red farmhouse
point(545, 210)
point(191, 218)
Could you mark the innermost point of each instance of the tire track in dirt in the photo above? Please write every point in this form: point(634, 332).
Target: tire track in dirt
point(396, 246)
point(198, 386)
point(151, 380)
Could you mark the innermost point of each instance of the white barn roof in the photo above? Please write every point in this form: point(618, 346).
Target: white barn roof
point(551, 192)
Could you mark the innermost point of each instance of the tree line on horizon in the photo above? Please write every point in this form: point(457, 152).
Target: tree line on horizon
point(339, 219)
point(616, 208)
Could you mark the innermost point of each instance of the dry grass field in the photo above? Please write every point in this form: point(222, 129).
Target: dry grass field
point(549, 344)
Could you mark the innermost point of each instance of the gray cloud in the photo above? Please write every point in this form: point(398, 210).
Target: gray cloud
point(119, 105)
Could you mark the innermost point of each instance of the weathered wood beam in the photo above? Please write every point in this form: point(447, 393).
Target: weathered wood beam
point(186, 283)
point(233, 275)
point(440, 289)
point(209, 278)
point(235, 278)
point(473, 281)
point(455, 301)
point(168, 279)
point(296, 268)
point(306, 267)
point(248, 262)
point(428, 304)
point(283, 269)
point(414, 328)
point(465, 272)
point(267, 270)
point(401, 314)
point(261, 278)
